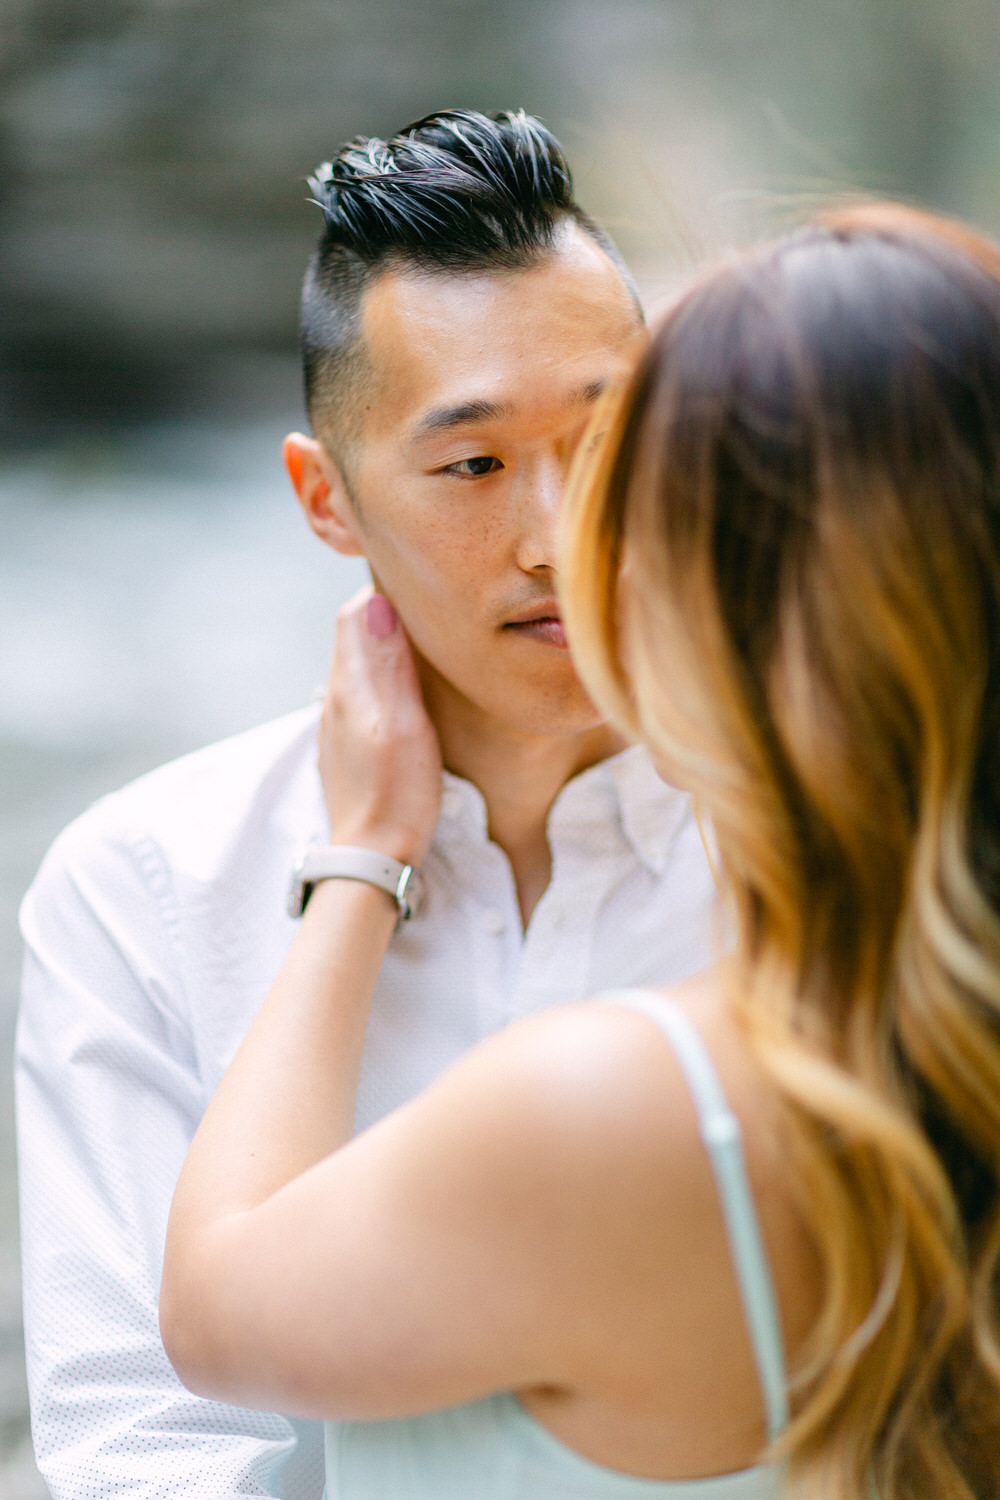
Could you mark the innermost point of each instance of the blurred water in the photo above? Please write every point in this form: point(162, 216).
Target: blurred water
point(155, 594)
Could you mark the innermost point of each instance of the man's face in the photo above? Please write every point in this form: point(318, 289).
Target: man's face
point(482, 384)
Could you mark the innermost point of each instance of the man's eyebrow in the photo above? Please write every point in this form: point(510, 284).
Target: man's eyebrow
point(444, 418)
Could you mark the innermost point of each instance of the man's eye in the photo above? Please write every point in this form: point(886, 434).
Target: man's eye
point(475, 468)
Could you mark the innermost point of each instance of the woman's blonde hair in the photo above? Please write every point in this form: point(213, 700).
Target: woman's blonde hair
point(783, 574)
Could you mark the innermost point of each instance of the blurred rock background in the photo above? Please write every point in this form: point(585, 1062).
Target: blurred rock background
point(152, 152)
point(155, 588)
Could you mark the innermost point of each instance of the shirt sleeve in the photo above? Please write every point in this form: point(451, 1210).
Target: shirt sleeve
point(108, 1098)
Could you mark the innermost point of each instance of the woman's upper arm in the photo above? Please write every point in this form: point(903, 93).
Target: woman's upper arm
point(442, 1254)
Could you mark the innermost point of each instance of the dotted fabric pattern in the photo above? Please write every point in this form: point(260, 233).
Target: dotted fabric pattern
point(153, 931)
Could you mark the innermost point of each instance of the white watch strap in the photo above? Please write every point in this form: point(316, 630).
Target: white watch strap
point(345, 862)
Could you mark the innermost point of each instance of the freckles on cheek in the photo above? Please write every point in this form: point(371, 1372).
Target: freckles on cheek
point(443, 559)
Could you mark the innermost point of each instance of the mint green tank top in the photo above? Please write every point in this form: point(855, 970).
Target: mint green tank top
point(495, 1450)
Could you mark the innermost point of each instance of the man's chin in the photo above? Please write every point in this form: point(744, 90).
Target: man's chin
point(548, 701)
point(559, 714)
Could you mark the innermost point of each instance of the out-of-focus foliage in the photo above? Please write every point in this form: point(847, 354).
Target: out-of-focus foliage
point(152, 152)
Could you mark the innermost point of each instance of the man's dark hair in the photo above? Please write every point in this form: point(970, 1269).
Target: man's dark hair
point(457, 191)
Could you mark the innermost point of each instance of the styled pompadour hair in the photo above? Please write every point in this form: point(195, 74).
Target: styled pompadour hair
point(457, 191)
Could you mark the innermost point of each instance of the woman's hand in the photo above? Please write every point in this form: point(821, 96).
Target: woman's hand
point(379, 757)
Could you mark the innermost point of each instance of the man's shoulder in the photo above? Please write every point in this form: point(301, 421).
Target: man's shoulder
point(228, 774)
point(198, 806)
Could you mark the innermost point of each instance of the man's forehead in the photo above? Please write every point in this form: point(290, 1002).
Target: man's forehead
point(448, 346)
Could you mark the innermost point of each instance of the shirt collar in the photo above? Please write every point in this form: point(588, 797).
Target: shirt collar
point(623, 790)
point(652, 812)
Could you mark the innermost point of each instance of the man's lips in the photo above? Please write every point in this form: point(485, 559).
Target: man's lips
point(543, 624)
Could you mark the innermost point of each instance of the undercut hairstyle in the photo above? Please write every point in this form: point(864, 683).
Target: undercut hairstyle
point(457, 191)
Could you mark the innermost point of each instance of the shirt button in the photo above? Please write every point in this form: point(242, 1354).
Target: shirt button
point(451, 802)
point(492, 921)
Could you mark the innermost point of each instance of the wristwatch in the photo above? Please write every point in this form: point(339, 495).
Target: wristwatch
point(343, 862)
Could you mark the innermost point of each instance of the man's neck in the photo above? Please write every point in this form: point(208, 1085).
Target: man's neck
point(519, 774)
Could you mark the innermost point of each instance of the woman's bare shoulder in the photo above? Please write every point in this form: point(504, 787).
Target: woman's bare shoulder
point(588, 1104)
point(590, 1085)
point(594, 1061)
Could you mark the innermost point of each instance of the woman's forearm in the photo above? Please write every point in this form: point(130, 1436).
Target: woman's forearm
point(288, 1097)
point(287, 1100)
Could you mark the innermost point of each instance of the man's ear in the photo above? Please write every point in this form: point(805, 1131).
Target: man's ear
point(319, 484)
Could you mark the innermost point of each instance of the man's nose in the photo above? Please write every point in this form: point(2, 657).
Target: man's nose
point(542, 501)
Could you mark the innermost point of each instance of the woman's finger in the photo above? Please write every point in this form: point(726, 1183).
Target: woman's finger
point(380, 616)
point(380, 761)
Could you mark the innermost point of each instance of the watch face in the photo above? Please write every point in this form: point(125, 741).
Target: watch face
point(321, 863)
point(296, 891)
point(298, 886)
point(410, 893)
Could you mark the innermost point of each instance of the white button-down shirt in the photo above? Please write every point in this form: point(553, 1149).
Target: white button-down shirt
point(153, 932)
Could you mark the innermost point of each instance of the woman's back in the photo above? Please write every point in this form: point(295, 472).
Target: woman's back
point(705, 1401)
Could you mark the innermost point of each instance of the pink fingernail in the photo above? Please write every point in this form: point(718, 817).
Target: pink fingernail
point(380, 615)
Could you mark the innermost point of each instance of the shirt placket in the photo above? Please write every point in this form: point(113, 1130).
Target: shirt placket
point(496, 929)
point(556, 955)
point(487, 898)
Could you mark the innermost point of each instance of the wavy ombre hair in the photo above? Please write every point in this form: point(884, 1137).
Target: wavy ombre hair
point(783, 574)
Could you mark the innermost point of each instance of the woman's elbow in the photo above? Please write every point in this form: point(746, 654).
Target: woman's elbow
point(193, 1327)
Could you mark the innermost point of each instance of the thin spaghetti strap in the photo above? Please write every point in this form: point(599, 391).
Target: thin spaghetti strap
point(720, 1132)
